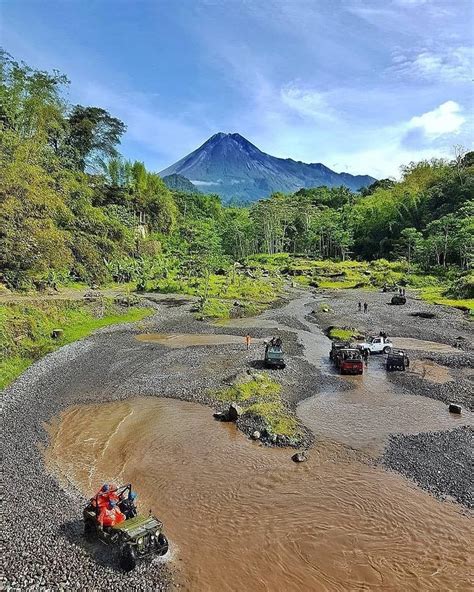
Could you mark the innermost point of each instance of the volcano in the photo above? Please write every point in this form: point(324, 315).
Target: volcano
point(235, 169)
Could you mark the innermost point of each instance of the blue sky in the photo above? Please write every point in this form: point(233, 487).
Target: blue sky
point(360, 85)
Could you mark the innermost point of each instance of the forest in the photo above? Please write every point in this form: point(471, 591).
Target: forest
point(72, 209)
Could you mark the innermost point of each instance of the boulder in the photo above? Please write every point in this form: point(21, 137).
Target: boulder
point(299, 457)
point(256, 435)
point(453, 408)
point(397, 300)
point(57, 333)
point(234, 412)
point(220, 416)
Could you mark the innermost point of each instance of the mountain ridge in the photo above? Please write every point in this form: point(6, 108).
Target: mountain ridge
point(233, 167)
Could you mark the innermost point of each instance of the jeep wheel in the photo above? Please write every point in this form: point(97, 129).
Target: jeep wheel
point(128, 558)
point(163, 546)
point(386, 349)
point(90, 533)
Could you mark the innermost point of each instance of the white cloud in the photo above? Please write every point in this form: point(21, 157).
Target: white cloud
point(307, 102)
point(453, 64)
point(445, 119)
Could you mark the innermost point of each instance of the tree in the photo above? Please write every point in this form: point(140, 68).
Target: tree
point(93, 135)
point(411, 239)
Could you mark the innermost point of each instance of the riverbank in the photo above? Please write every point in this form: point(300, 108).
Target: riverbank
point(31, 329)
point(114, 366)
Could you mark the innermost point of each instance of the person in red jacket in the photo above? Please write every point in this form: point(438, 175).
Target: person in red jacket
point(110, 515)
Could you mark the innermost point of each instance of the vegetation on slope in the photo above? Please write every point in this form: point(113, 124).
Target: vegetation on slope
point(26, 330)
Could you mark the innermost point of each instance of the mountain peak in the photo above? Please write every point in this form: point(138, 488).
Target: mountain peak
point(227, 136)
point(231, 166)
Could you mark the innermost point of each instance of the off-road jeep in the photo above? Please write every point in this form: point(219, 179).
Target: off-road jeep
point(135, 537)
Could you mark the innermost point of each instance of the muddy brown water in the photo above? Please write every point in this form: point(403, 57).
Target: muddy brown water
point(431, 371)
point(244, 517)
point(364, 415)
point(422, 345)
point(179, 340)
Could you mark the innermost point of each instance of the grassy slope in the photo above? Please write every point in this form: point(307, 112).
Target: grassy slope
point(25, 330)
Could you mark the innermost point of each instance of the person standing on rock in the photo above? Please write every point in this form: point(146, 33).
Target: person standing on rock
point(247, 341)
point(366, 307)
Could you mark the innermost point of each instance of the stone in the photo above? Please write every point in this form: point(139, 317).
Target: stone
point(220, 416)
point(453, 408)
point(234, 412)
point(299, 457)
point(57, 333)
point(256, 435)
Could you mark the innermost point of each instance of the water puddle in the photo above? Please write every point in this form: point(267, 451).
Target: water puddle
point(431, 371)
point(420, 345)
point(363, 416)
point(180, 340)
point(244, 517)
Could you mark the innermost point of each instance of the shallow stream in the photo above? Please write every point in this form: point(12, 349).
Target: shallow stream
point(244, 517)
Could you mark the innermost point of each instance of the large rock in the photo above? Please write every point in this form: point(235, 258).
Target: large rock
point(299, 457)
point(397, 300)
point(453, 408)
point(256, 435)
point(234, 412)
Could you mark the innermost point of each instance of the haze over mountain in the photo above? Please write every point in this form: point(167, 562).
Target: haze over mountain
point(232, 167)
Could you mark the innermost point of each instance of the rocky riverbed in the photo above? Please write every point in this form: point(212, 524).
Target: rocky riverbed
point(43, 527)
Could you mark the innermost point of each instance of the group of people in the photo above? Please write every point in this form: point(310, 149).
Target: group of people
point(112, 508)
point(366, 307)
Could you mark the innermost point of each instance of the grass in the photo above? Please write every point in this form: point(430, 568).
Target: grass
point(25, 330)
point(220, 292)
point(435, 296)
point(261, 396)
point(339, 334)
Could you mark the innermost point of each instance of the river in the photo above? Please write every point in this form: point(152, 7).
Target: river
point(241, 516)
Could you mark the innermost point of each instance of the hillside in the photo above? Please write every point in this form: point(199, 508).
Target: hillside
point(232, 167)
point(179, 183)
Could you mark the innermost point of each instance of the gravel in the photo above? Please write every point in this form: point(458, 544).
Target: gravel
point(440, 462)
point(42, 528)
point(42, 521)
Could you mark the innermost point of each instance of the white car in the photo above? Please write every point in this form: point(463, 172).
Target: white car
point(376, 345)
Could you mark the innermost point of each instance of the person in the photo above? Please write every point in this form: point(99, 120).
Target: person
point(360, 306)
point(101, 498)
point(365, 356)
point(110, 515)
point(366, 307)
point(247, 341)
point(128, 505)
